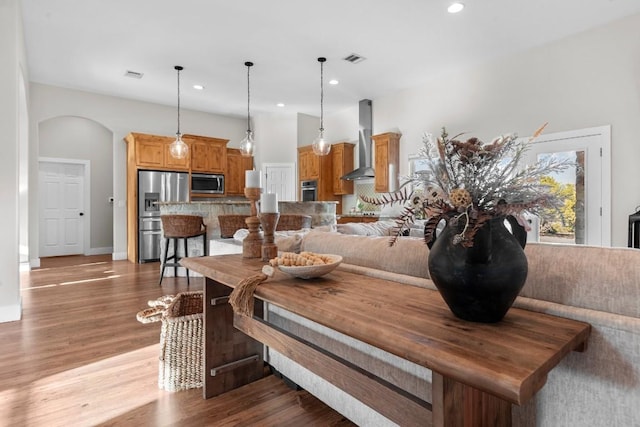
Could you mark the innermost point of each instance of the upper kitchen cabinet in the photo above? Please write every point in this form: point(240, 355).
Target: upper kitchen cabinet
point(152, 152)
point(237, 164)
point(387, 152)
point(312, 167)
point(342, 154)
point(208, 155)
point(308, 164)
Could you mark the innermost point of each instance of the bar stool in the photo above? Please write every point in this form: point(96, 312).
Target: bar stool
point(180, 227)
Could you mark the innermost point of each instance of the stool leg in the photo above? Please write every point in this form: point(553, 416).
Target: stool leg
point(175, 258)
point(186, 254)
point(164, 262)
point(204, 244)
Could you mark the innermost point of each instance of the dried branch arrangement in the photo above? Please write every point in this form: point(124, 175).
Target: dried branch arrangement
point(472, 182)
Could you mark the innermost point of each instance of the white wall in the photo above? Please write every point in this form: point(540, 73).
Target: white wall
point(343, 126)
point(587, 80)
point(83, 139)
point(275, 136)
point(23, 180)
point(14, 63)
point(120, 116)
point(307, 129)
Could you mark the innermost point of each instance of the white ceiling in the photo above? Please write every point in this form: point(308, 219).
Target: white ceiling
point(90, 44)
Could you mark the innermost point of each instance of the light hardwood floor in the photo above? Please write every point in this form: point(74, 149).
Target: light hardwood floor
point(79, 357)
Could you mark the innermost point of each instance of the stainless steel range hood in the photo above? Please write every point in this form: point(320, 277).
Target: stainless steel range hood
point(365, 169)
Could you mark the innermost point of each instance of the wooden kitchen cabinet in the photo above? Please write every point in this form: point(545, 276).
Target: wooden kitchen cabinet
point(237, 164)
point(171, 162)
point(345, 219)
point(387, 152)
point(208, 155)
point(342, 154)
point(152, 152)
point(308, 164)
point(319, 169)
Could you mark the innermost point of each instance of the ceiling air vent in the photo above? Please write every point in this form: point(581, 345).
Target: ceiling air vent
point(133, 74)
point(354, 58)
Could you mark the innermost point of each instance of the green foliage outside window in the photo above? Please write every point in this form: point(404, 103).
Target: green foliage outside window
point(560, 220)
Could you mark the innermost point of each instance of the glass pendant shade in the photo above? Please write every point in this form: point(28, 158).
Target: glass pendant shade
point(178, 148)
point(247, 145)
point(320, 146)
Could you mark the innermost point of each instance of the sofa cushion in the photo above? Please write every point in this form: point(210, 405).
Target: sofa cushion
point(377, 228)
point(289, 241)
point(599, 387)
point(408, 256)
point(597, 278)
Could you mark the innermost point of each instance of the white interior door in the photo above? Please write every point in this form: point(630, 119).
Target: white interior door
point(280, 178)
point(61, 210)
point(591, 149)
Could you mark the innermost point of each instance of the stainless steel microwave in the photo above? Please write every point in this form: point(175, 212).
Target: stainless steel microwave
point(202, 183)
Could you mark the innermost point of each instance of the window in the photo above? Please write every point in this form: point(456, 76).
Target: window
point(585, 217)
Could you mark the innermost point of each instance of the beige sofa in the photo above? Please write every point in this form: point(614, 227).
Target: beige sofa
point(601, 286)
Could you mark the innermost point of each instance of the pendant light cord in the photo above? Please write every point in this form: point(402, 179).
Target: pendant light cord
point(249, 65)
point(321, 93)
point(178, 69)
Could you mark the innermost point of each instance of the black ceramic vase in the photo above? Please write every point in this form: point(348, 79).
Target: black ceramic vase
point(480, 283)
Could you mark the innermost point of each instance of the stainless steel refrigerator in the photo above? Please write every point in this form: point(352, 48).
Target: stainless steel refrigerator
point(153, 187)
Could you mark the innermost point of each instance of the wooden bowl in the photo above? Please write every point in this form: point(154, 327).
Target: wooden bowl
point(312, 271)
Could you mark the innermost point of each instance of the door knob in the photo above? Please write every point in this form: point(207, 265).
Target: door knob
point(81, 213)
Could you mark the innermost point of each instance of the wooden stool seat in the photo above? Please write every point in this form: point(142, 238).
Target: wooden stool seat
point(183, 227)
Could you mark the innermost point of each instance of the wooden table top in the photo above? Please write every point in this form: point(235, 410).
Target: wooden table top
point(509, 359)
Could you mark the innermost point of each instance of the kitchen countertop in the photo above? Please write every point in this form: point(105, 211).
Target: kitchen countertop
point(234, 202)
point(360, 214)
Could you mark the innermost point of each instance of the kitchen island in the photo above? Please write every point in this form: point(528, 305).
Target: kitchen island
point(321, 213)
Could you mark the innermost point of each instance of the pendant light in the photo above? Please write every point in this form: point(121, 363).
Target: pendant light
point(178, 148)
point(247, 145)
point(320, 146)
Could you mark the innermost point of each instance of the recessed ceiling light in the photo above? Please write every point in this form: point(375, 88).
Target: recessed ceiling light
point(333, 82)
point(455, 7)
point(280, 104)
point(198, 87)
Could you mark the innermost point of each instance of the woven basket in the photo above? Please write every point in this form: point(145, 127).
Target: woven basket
point(181, 343)
point(230, 223)
point(182, 225)
point(293, 222)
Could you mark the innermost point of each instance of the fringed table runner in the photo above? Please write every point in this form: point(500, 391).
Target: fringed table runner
point(241, 299)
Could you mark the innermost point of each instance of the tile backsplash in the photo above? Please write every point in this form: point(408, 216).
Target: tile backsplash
point(366, 189)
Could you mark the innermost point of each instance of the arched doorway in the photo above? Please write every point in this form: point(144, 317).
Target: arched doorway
point(71, 140)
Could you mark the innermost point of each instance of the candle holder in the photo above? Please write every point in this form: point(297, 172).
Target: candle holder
point(252, 244)
point(269, 221)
